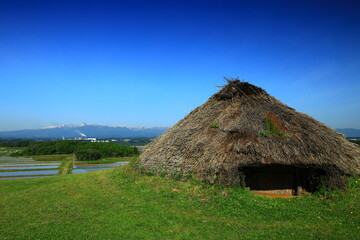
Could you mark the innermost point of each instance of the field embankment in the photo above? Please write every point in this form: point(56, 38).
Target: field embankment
point(67, 165)
point(122, 204)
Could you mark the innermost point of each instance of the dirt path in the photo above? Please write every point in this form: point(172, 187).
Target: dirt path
point(273, 195)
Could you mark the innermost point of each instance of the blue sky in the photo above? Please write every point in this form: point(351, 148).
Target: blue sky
point(149, 63)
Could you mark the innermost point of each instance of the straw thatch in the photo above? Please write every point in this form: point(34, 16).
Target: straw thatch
point(229, 132)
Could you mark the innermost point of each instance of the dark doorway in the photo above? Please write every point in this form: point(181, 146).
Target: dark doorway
point(281, 179)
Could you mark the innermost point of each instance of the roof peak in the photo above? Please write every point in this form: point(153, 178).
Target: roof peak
point(237, 88)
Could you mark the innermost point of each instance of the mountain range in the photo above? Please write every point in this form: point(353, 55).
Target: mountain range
point(349, 132)
point(99, 131)
point(85, 130)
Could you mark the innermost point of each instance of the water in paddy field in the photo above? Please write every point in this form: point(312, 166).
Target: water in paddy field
point(22, 168)
point(18, 168)
point(83, 168)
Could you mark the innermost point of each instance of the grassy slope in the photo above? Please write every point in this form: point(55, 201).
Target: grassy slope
point(122, 204)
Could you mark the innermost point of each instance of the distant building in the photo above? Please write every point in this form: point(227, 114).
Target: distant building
point(86, 139)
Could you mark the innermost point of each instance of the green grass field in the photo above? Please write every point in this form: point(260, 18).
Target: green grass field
point(123, 204)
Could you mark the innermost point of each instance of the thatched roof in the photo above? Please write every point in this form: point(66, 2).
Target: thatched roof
point(231, 130)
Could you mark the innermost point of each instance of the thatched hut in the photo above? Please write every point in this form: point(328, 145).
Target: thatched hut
point(243, 136)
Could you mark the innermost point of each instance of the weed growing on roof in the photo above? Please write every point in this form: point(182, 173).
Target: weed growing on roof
point(273, 126)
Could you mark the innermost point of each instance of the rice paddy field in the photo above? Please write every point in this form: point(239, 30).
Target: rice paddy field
point(51, 165)
point(120, 203)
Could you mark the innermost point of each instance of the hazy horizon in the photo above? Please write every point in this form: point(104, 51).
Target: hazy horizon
point(132, 126)
point(150, 63)
point(87, 124)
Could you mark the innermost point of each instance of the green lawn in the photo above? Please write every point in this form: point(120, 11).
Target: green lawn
point(122, 204)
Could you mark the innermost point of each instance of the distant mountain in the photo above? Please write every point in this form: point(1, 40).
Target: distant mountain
point(99, 131)
point(349, 132)
point(85, 130)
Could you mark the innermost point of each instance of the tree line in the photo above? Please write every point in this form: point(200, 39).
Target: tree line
point(21, 143)
point(84, 151)
point(357, 141)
